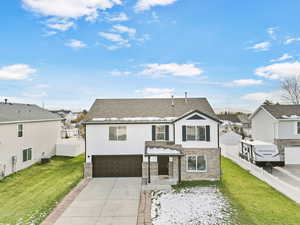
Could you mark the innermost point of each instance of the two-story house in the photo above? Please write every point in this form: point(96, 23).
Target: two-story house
point(27, 134)
point(177, 137)
point(280, 125)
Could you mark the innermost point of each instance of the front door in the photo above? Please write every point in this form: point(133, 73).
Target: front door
point(163, 165)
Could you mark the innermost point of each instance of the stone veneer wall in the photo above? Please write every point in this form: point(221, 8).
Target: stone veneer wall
point(213, 164)
point(153, 169)
point(282, 143)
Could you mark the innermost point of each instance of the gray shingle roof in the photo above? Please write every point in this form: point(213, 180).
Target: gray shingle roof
point(146, 107)
point(229, 117)
point(24, 112)
point(282, 111)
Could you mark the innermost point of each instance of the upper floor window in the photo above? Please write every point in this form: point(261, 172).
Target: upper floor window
point(298, 127)
point(27, 154)
point(117, 133)
point(160, 132)
point(195, 133)
point(20, 130)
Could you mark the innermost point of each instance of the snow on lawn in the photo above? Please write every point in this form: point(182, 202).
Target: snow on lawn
point(193, 206)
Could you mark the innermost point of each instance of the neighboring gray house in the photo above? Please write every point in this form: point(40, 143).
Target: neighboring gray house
point(27, 133)
point(279, 124)
point(176, 138)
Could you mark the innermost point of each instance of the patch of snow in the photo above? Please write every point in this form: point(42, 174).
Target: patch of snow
point(162, 151)
point(193, 206)
point(291, 117)
point(137, 119)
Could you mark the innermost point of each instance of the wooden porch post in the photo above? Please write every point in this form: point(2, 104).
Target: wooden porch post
point(149, 179)
point(179, 169)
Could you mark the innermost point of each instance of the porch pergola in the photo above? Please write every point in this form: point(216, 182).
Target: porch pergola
point(163, 149)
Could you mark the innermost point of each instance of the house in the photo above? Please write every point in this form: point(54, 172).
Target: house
point(27, 133)
point(238, 122)
point(176, 138)
point(280, 125)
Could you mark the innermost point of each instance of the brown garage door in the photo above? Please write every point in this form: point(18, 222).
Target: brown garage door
point(117, 166)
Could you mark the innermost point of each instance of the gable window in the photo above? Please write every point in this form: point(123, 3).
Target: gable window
point(27, 154)
point(118, 133)
point(20, 130)
point(195, 133)
point(298, 127)
point(196, 163)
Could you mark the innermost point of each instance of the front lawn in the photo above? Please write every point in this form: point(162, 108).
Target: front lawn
point(28, 196)
point(254, 202)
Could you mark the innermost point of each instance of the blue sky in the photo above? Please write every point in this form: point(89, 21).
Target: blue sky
point(64, 54)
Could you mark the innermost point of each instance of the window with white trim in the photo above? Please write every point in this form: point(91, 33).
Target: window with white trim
point(20, 130)
point(196, 163)
point(27, 154)
point(160, 133)
point(195, 133)
point(117, 133)
point(298, 127)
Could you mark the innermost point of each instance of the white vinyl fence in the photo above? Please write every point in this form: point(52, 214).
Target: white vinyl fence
point(230, 152)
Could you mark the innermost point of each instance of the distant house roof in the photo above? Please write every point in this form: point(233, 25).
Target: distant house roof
point(230, 117)
point(283, 111)
point(244, 118)
point(141, 110)
point(13, 112)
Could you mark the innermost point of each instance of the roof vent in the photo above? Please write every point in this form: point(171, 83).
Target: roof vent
point(185, 97)
point(5, 101)
point(172, 98)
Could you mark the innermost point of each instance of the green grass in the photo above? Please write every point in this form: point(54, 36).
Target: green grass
point(28, 196)
point(254, 202)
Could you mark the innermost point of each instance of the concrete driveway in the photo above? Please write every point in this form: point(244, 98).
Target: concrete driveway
point(105, 201)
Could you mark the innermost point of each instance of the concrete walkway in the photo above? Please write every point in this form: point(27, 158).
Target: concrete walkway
point(105, 201)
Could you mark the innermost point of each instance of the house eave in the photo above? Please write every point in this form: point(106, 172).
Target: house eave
point(31, 121)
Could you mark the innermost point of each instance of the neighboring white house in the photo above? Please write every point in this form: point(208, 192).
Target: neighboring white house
point(147, 138)
point(279, 124)
point(27, 133)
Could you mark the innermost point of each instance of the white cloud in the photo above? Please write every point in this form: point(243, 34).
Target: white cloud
point(114, 38)
point(261, 46)
point(173, 69)
point(291, 40)
point(156, 92)
point(245, 82)
point(120, 73)
point(75, 44)
point(124, 29)
point(35, 94)
point(59, 24)
point(16, 72)
point(67, 10)
point(70, 8)
point(262, 96)
point(120, 17)
point(143, 5)
point(279, 70)
point(285, 56)
point(272, 32)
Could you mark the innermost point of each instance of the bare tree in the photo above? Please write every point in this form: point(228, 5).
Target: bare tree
point(291, 89)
